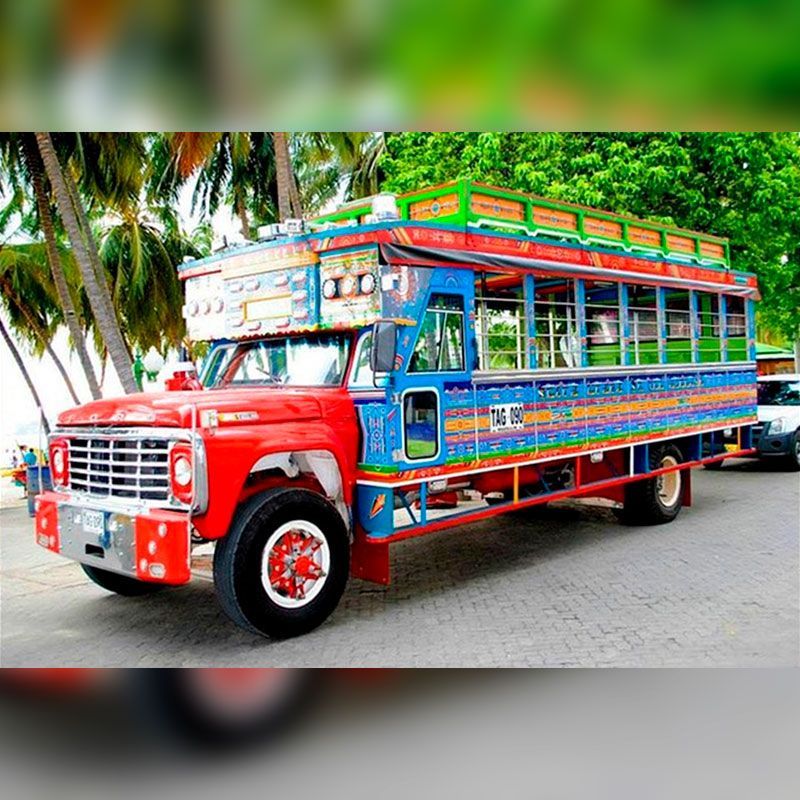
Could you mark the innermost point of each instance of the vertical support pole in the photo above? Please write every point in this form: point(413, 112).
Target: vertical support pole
point(661, 322)
point(750, 321)
point(694, 326)
point(624, 326)
point(722, 307)
point(423, 503)
point(529, 296)
point(580, 316)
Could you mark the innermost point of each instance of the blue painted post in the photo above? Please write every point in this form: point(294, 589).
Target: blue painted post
point(694, 326)
point(529, 295)
point(750, 316)
point(625, 355)
point(423, 503)
point(661, 321)
point(723, 328)
point(580, 314)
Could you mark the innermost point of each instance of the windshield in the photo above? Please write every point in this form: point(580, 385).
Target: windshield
point(313, 360)
point(779, 393)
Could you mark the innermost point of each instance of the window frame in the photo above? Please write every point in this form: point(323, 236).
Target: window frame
point(445, 312)
point(420, 390)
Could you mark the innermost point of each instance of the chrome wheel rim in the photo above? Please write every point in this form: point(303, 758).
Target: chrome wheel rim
point(668, 485)
point(295, 564)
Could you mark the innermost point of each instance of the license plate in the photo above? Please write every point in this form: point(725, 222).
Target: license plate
point(93, 522)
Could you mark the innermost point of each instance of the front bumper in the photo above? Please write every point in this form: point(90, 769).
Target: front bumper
point(147, 544)
point(779, 444)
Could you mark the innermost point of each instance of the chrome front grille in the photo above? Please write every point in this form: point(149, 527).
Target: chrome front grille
point(132, 468)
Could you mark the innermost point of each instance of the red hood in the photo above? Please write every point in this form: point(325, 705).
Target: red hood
point(174, 409)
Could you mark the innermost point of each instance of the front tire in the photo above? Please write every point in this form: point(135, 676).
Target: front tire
point(654, 501)
point(792, 460)
point(121, 584)
point(283, 567)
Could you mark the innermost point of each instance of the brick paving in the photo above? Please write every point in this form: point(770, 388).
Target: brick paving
point(563, 586)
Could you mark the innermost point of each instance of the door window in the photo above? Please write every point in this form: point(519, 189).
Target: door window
point(421, 424)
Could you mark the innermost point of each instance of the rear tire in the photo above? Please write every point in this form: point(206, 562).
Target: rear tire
point(121, 584)
point(283, 567)
point(654, 501)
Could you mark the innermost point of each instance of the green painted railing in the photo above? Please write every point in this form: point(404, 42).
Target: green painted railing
point(466, 203)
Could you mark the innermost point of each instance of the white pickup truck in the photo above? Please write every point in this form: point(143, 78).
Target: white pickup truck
point(777, 433)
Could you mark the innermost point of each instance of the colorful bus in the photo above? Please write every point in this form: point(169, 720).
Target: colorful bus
point(405, 365)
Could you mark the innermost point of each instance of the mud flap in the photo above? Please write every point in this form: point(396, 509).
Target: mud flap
point(369, 560)
point(686, 483)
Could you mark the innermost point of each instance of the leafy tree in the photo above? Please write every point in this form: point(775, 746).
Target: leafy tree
point(84, 249)
point(24, 172)
point(745, 186)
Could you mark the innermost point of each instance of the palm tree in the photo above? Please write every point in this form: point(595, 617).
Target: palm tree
point(139, 253)
point(21, 365)
point(70, 209)
point(21, 155)
point(28, 303)
point(237, 168)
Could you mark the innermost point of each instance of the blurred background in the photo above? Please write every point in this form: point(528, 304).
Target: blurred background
point(633, 64)
point(421, 733)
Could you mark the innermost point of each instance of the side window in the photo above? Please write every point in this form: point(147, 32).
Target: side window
point(420, 423)
point(603, 338)
point(440, 344)
point(500, 322)
point(557, 342)
point(361, 377)
point(678, 345)
point(708, 311)
point(736, 323)
point(642, 325)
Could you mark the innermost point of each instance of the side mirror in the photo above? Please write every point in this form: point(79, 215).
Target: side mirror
point(384, 347)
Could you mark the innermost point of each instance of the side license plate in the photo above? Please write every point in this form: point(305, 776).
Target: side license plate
point(93, 522)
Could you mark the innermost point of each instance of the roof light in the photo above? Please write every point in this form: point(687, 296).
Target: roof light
point(384, 206)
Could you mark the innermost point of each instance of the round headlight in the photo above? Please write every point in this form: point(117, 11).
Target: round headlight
point(58, 461)
point(182, 471)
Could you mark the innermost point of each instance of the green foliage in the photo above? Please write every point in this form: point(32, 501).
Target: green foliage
point(745, 186)
point(141, 258)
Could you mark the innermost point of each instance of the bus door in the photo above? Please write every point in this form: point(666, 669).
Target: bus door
point(437, 366)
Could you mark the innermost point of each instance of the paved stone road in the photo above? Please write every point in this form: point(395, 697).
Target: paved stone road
point(567, 586)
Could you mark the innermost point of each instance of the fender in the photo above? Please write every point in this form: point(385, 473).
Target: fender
point(232, 452)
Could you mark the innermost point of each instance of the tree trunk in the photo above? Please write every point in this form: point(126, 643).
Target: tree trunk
point(283, 174)
point(241, 211)
point(96, 289)
point(41, 334)
point(294, 194)
point(21, 364)
point(797, 354)
point(35, 167)
point(91, 244)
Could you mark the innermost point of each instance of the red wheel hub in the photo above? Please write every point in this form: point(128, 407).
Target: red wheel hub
point(293, 567)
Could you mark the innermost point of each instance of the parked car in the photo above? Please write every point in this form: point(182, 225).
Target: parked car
point(777, 434)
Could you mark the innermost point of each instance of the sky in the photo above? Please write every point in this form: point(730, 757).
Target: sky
point(19, 422)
